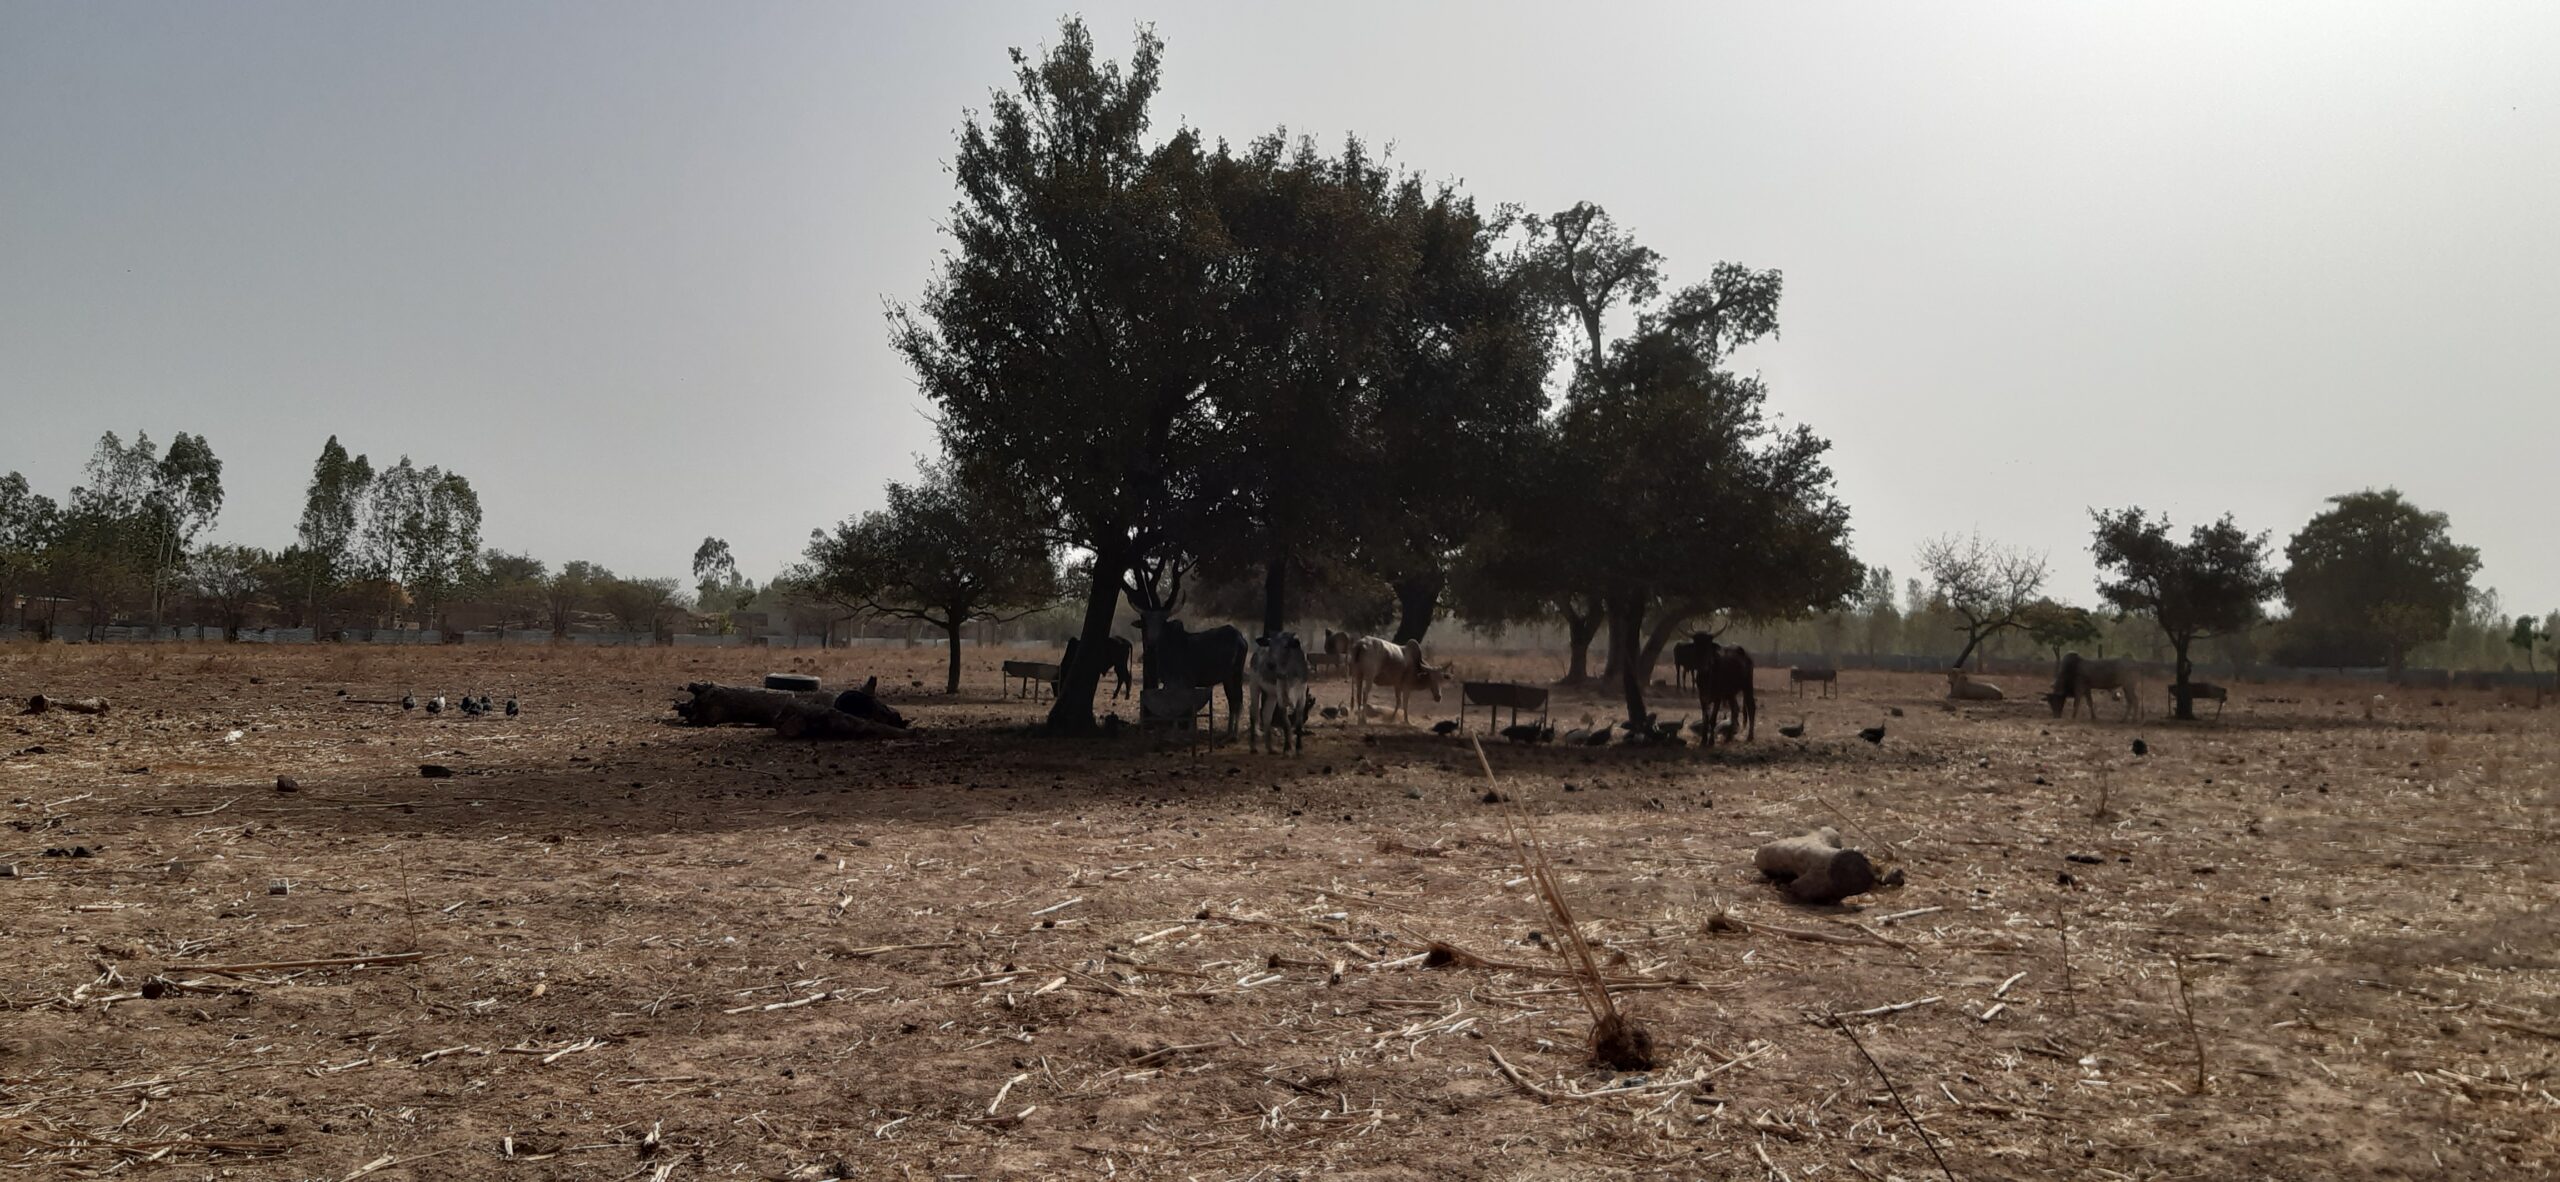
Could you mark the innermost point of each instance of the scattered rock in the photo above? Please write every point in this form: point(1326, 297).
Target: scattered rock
point(287, 784)
point(438, 771)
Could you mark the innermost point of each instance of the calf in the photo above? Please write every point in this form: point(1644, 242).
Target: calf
point(1724, 682)
point(1278, 672)
point(1399, 667)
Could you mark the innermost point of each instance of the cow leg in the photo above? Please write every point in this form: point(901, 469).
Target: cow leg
point(1750, 713)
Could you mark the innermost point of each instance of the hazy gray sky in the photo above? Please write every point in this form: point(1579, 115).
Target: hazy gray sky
point(623, 265)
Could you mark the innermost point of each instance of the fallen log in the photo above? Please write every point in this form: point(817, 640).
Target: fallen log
point(791, 714)
point(40, 703)
point(801, 720)
point(1813, 868)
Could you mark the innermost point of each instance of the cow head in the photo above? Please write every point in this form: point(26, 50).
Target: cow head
point(2056, 700)
point(1152, 623)
point(1432, 678)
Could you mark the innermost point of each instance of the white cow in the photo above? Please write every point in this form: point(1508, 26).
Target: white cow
point(1398, 667)
point(1278, 673)
point(1963, 688)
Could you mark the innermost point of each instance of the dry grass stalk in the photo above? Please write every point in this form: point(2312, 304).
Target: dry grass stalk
point(2187, 1010)
point(1614, 1039)
point(2062, 928)
point(1896, 1093)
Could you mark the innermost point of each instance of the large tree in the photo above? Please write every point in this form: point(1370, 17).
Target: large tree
point(1690, 495)
point(1080, 319)
point(947, 550)
point(2527, 634)
point(2373, 577)
point(1988, 586)
point(332, 507)
point(422, 531)
point(640, 605)
point(184, 498)
point(2213, 584)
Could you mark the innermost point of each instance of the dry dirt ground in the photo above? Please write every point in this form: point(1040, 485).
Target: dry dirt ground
point(609, 947)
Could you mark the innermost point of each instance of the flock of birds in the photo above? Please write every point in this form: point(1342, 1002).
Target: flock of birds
point(467, 704)
point(1652, 731)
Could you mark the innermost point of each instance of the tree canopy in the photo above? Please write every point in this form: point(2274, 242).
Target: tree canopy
point(947, 550)
point(2372, 577)
point(1988, 586)
point(2213, 584)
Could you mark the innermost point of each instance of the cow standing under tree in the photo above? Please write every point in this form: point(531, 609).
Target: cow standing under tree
point(1398, 667)
point(1278, 671)
point(1724, 682)
point(1215, 657)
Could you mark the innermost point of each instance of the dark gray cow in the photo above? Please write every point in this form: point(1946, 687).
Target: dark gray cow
point(1178, 656)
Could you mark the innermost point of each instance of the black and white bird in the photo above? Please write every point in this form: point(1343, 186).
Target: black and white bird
point(511, 705)
point(2141, 748)
point(469, 707)
point(1728, 731)
point(408, 701)
point(1670, 730)
point(1792, 731)
point(1445, 727)
point(1599, 737)
point(435, 705)
point(1332, 712)
point(1873, 734)
point(1521, 732)
point(484, 703)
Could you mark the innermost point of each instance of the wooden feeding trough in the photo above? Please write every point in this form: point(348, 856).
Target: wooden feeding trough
point(1030, 673)
point(1796, 677)
point(1496, 695)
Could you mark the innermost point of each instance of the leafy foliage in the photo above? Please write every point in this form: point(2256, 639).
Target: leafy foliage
point(422, 531)
point(948, 550)
point(2214, 583)
point(2373, 577)
point(332, 506)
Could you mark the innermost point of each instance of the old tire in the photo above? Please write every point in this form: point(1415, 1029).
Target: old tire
point(794, 682)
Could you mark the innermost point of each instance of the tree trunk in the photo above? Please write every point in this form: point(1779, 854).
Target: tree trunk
point(1416, 598)
point(1972, 640)
point(1579, 629)
point(1072, 712)
point(951, 678)
point(1626, 629)
point(1275, 595)
point(2399, 662)
point(1658, 638)
point(2185, 701)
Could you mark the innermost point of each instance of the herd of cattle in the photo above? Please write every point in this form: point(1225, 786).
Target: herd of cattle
point(1266, 680)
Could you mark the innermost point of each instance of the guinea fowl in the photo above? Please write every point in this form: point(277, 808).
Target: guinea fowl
point(484, 703)
point(1873, 734)
point(1794, 731)
point(1599, 737)
point(511, 705)
point(1444, 727)
point(408, 701)
point(2141, 748)
point(1728, 731)
point(1521, 732)
point(435, 705)
point(469, 707)
point(1332, 712)
point(1670, 730)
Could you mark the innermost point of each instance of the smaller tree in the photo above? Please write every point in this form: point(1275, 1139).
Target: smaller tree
point(1988, 586)
point(228, 579)
point(2060, 626)
point(569, 590)
point(2527, 633)
point(947, 550)
point(27, 521)
point(2213, 584)
point(639, 605)
point(513, 584)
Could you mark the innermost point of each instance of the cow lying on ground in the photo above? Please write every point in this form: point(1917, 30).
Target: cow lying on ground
point(1177, 656)
point(1400, 668)
point(1279, 673)
point(1963, 688)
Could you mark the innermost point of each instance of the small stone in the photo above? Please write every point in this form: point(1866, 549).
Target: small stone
point(287, 784)
point(279, 887)
point(438, 771)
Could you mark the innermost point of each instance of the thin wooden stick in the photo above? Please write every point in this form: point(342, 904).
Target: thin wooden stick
point(334, 962)
point(2062, 927)
point(1844, 819)
point(1895, 1008)
point(1896, 1093)
point(2187, 1008)
point(1513, 1074)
